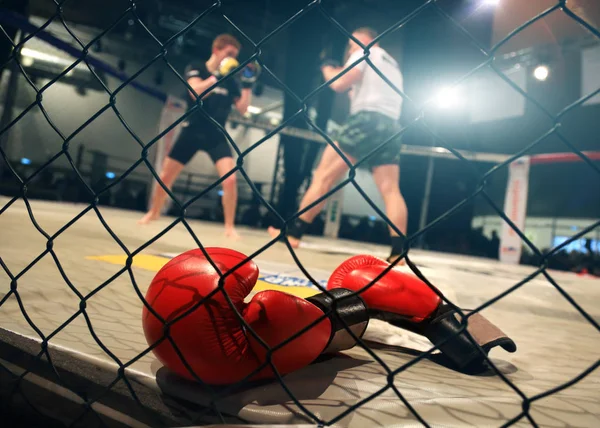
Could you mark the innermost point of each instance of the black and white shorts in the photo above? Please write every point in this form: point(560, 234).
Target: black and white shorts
point(364, 132)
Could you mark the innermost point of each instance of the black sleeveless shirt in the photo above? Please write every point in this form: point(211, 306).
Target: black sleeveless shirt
point(218, 104)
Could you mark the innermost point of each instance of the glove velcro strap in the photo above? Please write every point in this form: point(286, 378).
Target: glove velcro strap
point(459, 348)
point(488, 335)
point(352, 310)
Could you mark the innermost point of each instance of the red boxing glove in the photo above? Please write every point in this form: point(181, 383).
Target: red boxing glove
point(405, 301)
point(213, 340)
point(396, 292)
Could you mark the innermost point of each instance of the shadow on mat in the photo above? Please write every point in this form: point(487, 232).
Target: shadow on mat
point(308, 383)
point(483, 370)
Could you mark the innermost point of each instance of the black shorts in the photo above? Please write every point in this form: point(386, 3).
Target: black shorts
point(190, 141)
point(364, 131)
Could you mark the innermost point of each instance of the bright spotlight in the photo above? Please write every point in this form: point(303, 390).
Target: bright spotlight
point(541, 72)
point(110, 175)
point(26, 61)
point(491, 2)
point(448, 98)
point(25, 161)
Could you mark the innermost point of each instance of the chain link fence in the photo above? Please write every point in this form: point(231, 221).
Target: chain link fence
point(88, 401)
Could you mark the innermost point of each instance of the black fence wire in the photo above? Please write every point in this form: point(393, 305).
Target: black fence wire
point(211, 411)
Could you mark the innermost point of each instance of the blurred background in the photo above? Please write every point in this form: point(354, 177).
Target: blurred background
point(555, 61)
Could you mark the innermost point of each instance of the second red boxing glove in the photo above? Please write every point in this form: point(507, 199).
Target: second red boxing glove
point(405, 301)
point(212, 339)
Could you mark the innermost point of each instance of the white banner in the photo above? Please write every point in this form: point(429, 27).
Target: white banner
point(334, 214)
point(590, 73)
point(515, 207)
point(173, 109)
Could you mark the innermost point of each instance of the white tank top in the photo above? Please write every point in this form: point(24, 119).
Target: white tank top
point(372, 93)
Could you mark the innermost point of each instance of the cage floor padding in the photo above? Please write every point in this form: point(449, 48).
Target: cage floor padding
point(555, 342)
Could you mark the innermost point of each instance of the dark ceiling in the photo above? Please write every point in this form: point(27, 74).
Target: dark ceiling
point(256, 18)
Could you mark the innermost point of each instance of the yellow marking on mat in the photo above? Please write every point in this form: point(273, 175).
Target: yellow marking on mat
point(154, 263)
point(142, 261)
point(295, 290)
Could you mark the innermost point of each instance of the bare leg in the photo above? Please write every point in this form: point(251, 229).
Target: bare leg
point(387, 179)
point(229, 200)
point(330, 170)
point(168, 174)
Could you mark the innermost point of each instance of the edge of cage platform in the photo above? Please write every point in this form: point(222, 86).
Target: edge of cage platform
point(57, 401)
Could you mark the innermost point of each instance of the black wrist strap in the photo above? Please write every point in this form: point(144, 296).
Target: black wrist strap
point(297, 228)
point(351, 311)
point(397, 245)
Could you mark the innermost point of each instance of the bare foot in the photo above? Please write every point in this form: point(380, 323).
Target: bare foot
point(294, 242)
point(150, 216)
point(232, 234)
point(402, 262)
